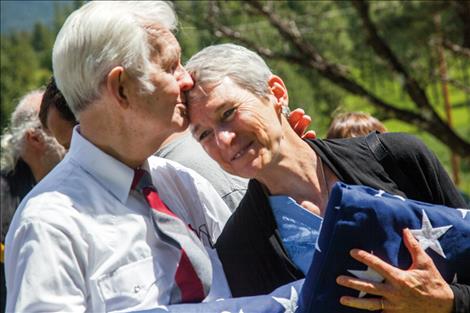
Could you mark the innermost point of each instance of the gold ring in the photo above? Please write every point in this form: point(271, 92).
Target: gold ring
point(382, 307)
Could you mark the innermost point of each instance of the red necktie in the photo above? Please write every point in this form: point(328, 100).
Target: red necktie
point(193, 276)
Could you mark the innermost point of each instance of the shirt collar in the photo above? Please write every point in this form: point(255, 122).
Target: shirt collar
point(111, 173)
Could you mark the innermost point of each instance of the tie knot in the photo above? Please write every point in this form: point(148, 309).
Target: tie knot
point(141, 179)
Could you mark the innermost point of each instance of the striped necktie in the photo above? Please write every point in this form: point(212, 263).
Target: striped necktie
point(193, 276)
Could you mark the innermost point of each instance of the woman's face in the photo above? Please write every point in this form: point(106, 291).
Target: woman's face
point(238, 129)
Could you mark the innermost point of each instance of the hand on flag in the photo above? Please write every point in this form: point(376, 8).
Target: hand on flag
point(421, 288)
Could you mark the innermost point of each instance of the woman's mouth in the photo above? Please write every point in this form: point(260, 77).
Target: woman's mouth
point(242, 152)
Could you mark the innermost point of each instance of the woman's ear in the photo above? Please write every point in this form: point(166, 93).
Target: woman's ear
point(116, 85)
point(279, 91)
point(34, 139)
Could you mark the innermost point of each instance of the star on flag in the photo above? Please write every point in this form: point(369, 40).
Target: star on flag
point(428, 236)
point(290, 305)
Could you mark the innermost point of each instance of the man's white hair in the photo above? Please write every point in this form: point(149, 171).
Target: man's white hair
point(102, 35)
point(243, 66)
point(24, 118)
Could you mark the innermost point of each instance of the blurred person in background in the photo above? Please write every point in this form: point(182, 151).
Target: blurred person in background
point(28, 154)
point(55, 114)
point(354, 124)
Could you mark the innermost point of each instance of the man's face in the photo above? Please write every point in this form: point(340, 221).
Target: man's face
point(163, 111)
point(239, 130)
point(60, 128)
point(53, 152)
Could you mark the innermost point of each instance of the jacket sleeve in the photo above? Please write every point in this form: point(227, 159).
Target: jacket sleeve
point(427, 179)
point(461, 298)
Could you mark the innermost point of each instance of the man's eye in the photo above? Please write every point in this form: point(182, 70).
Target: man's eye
point(227, 114)
point(204, 135)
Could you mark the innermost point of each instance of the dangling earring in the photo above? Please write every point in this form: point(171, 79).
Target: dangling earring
point(285, 111)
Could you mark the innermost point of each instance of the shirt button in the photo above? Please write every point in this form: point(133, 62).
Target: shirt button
point(137, 289)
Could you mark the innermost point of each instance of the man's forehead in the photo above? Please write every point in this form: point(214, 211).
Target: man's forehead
point(163, 43)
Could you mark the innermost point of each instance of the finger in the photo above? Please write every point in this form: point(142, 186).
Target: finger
point(311, 134)
point(295, 116)
point(418, 255)
point(370, 304)
point(302, 124)
point(361, 285)
point(384, 269)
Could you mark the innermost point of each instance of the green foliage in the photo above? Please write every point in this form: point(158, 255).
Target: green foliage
point(19, 68)
point(26, 62)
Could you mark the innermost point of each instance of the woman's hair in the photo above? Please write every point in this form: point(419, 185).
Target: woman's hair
point(244, 67)
point(353, 124)
point(24, 118)
point(102, 35)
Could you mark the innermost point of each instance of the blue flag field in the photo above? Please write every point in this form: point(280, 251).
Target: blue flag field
point(371, 220)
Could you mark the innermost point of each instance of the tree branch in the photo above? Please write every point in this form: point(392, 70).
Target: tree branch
point(455, 48)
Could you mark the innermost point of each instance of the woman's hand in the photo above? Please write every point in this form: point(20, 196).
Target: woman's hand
point(419, 289)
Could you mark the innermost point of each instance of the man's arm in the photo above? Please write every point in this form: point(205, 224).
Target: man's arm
point(43, 273)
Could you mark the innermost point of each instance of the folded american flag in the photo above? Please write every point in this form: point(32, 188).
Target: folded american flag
point(372, 220)
point(365, 218)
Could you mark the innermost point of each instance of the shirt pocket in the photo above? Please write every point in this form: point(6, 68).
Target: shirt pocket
point(126, 287)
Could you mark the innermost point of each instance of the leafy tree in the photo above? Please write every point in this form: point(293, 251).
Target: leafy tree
point(378, 56)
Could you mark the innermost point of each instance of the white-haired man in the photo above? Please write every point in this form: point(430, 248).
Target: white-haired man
point(112, 228)
point(28, 154)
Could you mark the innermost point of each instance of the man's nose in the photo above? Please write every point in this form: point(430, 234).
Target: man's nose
point(185, 80)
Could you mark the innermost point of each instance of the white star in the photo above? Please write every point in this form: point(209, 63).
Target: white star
point(399, 197)
point(464, 212)
point(369, 275)
point(317, 246)
point(428, 236)
point(380, 193)
point(289, 304)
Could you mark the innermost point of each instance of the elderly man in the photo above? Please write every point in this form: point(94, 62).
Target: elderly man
point(28, 154)
point(113, 228)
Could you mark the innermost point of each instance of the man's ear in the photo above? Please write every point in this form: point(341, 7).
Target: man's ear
point(279, 91)
point(115, 84)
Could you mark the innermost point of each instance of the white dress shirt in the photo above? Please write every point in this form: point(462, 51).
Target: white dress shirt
point(83, 241)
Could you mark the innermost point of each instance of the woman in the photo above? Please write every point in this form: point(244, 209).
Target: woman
point(236, 112)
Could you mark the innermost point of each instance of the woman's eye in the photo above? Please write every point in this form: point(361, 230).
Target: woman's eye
point(227, 114)
point(204, 135)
